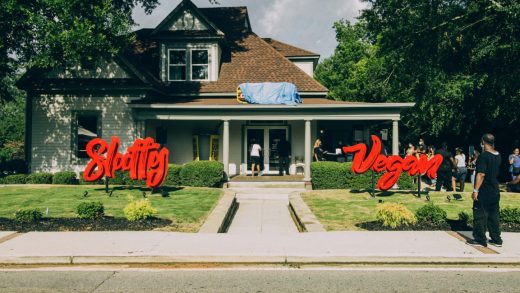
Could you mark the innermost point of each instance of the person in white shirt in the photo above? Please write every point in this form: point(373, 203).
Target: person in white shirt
point(462, 171)
point(255, 157)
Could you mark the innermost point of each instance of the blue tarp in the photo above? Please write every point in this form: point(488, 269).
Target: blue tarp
point(270, 93)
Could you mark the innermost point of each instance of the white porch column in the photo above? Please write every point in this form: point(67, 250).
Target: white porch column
point(140, 126)
point(225, 148)
point(395, 137)
point(308, 156)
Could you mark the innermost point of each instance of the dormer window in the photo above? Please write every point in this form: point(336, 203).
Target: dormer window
point(199, 64)
point(188, 64)
point(176, 64)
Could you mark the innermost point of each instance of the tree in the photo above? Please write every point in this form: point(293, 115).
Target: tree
point(458, 60)
point(50, 33)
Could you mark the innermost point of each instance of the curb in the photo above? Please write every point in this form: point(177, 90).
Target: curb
point(305, 218)
point(230, 259)
point(218, 219)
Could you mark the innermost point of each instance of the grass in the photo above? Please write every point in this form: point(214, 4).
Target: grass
point(340, 210)
point(187, 207)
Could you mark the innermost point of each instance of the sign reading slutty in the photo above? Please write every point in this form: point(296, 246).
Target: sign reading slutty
point(392, 165)
point(145, 159)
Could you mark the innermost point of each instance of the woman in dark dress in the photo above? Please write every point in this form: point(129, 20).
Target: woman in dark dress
point(319, 153)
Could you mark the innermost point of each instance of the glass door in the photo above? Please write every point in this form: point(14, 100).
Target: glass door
point(275, 136)
point(268, 138)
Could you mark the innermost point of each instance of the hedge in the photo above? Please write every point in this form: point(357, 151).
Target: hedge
point(84, 182)
point(173, 178)
point(15, 179)
point(202, 173)
point(39, 178)
point(334, 175)
point(65, 177)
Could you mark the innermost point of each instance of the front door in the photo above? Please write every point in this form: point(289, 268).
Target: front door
point(268, 137)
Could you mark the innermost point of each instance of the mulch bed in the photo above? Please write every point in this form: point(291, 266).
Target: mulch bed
point(450, 225)
point(77, 224)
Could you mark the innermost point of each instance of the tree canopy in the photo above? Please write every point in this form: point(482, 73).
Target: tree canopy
point(459, 61)
point(49, 33)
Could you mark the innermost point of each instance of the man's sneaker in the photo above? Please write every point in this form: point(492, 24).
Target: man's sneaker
point(495, 243)
point(476, 243)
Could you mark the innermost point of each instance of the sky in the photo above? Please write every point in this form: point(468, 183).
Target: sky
point(304, 23)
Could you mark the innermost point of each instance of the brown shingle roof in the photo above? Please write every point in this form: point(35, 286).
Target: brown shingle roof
point(245, 58)
point(256, 61)
point(289, 50)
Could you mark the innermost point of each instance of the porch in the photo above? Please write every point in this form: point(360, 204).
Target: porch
point(228, 130)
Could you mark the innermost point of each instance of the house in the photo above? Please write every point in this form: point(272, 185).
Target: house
point(177, 83)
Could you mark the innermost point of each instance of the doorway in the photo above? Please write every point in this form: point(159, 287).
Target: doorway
point(268, 137)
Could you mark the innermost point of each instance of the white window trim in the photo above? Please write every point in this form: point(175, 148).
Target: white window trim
point(185, 65)
point(193, 64)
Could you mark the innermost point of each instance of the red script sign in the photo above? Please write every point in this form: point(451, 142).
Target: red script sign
point(393, 165)
point(143, 160)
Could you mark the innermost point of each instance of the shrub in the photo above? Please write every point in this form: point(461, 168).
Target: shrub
point(431, 214)
point(173, 178)
point(394, 215)
point(84, 182)
point(90, 210)
point(65, 177)
point(510, 215)
point(334, 175)
point(119, 178)
point(465, 217)
point(28, 215)
point(202, 173)
point(15, 179)
point(139, 210)
point(39, 178)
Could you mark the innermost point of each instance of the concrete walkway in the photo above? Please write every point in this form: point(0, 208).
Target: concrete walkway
point(263, 210)
point(416, 247)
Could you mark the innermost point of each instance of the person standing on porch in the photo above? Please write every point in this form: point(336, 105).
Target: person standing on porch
point(284, 152)
point(486, 195)
point(255, 157)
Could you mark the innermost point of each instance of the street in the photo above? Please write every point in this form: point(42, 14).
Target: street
point(261, 279)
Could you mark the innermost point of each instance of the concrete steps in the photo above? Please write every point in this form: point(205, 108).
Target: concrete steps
point(269, 184)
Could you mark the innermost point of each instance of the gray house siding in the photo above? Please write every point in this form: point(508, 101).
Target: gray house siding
point(51, 136)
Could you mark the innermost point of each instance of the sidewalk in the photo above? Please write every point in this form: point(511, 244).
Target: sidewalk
point(263, 210)
point(413, 247)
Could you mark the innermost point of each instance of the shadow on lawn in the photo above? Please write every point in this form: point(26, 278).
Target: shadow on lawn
point(163, 190)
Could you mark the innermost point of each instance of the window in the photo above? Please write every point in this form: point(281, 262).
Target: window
point(199, 64)
point(87, 128)
point(176, 64)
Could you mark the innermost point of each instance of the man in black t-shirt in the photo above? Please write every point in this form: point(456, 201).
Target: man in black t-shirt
point(486, 195)
point(444, 172)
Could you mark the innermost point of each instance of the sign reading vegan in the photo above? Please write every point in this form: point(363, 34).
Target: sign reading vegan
point(392, 165)
point(144, 160)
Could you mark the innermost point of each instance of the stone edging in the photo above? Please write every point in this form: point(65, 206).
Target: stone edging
point(219, 216)
point(303, 214)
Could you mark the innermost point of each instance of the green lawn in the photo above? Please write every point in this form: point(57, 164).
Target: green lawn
point(187, 207)
point(340, 210)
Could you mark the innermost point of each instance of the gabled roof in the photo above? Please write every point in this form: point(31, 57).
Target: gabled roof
point(186, 5)
point(245, 57)
point(289, 50)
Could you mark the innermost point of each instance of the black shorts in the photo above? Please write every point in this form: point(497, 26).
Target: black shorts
point(255, 160)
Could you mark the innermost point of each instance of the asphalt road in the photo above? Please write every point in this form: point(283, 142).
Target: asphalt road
point(263, 280)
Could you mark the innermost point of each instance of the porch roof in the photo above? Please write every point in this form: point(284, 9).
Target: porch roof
point(229, 109)
point(230, 103)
